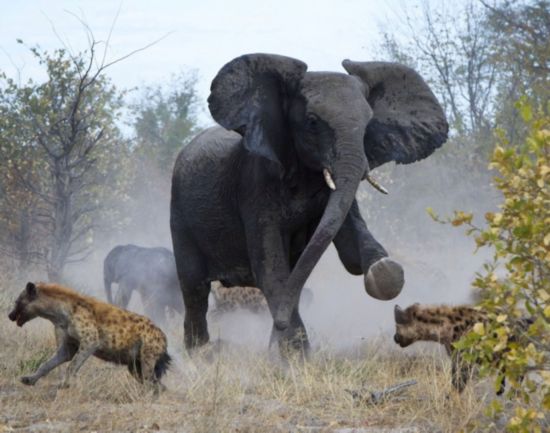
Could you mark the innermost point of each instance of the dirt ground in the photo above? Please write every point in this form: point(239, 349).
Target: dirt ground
point(229, 388)
point(238, 388)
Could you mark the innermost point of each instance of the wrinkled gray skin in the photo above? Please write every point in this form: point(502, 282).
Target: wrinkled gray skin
point(149, 271)
point(250, 205)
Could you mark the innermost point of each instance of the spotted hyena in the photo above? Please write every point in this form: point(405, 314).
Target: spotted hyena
point(85, 326)
point(231, 298)
point(248, 298)
point(445, 325)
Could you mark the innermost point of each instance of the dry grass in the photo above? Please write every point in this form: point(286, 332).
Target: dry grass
point(234, 389)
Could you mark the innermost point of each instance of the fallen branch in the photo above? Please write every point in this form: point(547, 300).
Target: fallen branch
point(376, 397)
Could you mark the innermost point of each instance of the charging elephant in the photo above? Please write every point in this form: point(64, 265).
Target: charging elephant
point(149, 271)
point(258, 200)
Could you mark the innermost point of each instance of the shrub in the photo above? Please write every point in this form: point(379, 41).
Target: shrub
point(514, 287)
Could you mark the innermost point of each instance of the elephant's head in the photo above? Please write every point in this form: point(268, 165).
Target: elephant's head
point(335, 124)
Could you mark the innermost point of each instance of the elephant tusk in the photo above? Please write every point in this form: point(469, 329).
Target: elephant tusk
point(328, 179)
point(375, 184)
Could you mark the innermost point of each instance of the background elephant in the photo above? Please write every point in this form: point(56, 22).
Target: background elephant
point(257, 203)
point(151, 272)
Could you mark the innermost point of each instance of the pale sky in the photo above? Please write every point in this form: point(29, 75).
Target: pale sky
point(204, 34)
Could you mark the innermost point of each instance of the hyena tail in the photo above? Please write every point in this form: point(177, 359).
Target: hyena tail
point(162, 364)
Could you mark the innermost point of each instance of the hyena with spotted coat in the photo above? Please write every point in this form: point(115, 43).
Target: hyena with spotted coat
point(85, 326)
point(232, 298)
point(445, 325)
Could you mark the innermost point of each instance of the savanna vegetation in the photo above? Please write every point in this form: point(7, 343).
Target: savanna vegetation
point(81, 161)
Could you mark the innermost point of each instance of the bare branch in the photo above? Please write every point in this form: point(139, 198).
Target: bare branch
point(136, 51)
point(376, 397)
point(107, 42)
point(17, 68)
point(89, 32)
point(64, 43)
point(80, 259)
point(30, 187)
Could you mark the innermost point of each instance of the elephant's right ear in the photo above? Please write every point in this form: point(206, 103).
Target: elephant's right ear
point(408, 123)
point(249, 96)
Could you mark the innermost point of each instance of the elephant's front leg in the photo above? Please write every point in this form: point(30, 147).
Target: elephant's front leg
point(362, 254)
point(269, 258)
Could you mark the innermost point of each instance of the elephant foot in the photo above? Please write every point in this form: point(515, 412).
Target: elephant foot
point(195, 342)
point(209, 352)
point(384, 279)
point(292, 343)
point(195, 338)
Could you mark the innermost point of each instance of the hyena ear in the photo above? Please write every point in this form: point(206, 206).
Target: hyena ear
point(31, 290)
point(401, 317)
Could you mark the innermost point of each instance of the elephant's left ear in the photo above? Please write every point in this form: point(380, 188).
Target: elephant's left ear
point(408, 123)
point(249, 95)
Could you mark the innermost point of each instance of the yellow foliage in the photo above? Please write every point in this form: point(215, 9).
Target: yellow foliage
point(519, 234)
point(479, 328)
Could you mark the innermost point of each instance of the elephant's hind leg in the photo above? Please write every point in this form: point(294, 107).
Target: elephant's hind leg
point(195, 288)
point(195, 326)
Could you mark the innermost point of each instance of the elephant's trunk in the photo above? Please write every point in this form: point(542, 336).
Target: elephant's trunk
point(347, 173)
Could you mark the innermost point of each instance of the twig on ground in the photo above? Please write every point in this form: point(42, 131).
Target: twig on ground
point(376, 397)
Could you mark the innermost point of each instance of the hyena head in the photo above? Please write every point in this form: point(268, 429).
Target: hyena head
point(25, 306)
point(405, 329)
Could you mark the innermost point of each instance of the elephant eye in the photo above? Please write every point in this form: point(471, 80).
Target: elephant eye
point(312, 122)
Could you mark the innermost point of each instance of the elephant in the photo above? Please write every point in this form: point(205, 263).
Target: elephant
point(150, 271)
point(256, 200)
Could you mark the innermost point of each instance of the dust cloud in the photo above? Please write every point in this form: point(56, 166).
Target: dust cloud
point(438, 260)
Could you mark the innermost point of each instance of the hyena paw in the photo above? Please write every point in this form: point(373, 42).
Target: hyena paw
point(28, 380)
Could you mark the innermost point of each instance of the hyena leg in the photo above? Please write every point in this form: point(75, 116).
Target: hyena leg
point(89, 343)
point(134, 367)
point(502, 386)
point(148, 359)
point(460, 371)
point(65, 352)
point(149, 354)
point(81, 356)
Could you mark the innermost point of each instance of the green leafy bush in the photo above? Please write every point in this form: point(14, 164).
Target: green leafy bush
point(514, 287)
